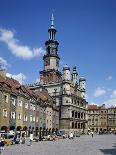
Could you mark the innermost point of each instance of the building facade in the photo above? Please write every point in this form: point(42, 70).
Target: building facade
point(111, 118)
point(24, 109)
point(101, 119)
point(66, 88)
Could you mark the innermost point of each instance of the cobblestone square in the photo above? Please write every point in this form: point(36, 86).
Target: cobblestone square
point(84, 145)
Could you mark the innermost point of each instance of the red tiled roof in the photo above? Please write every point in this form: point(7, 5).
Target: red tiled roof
point(14, 85)
point(92, 107)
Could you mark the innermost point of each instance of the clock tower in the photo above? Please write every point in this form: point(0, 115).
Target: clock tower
point(51, 59)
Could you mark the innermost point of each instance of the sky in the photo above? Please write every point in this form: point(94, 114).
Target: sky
point(86, 31)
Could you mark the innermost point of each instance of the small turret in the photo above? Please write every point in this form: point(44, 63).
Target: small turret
point(74, 75)
point(66, 73)
point(82, 85)
point(2, 71)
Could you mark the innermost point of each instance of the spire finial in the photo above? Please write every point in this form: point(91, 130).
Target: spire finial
point(52, 20)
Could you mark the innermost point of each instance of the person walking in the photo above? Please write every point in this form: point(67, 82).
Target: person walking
point(14, 139)
point(0, 144)
point(31, 138)
point(92, 134)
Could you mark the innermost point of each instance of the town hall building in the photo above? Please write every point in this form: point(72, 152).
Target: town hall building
point(65, 87)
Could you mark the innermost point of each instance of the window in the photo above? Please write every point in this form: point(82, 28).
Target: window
point(13, 101)
point(50, 122)
point(26, 105)
point(76, 114)
point(72, 125)
point(76, 125)
point(31, 118)
point(19, 116)
point(25, 118)
point(13, 115)
point(79, 115)
point(20, 103)
point(72, 101)
point(6, 98)
point(82, 115)
point(37, 119)
point(78, 103)
point(72, 113)
point(33, 107)
point(4, 112)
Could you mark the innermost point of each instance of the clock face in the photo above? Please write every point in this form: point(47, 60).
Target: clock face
point(53, 51)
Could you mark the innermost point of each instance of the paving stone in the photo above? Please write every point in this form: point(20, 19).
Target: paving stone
point(84, 145)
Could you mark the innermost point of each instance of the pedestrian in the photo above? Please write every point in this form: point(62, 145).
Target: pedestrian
point(71, 136)
point(48, 137)
point(92, 134)
point(14, 139)
point(2, 142)
point(31, 138)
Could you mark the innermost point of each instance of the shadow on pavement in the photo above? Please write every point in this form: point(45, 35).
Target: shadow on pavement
point(114, 145)
point(109, 151)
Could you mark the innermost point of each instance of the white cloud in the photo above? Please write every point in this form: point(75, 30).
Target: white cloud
point(3, 63)
point(113, 95)
point(99, 92)
point(109, 89)
point(110, 102)
point(23, 51)
point(19, 77)
point(109, 78)
point(93, 103)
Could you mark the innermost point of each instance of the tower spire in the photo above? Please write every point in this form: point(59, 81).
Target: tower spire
point(52, 21)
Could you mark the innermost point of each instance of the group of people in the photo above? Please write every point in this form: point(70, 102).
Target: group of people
point(2, 143)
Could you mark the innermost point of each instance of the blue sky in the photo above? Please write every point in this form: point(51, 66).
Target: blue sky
point(86, 33)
